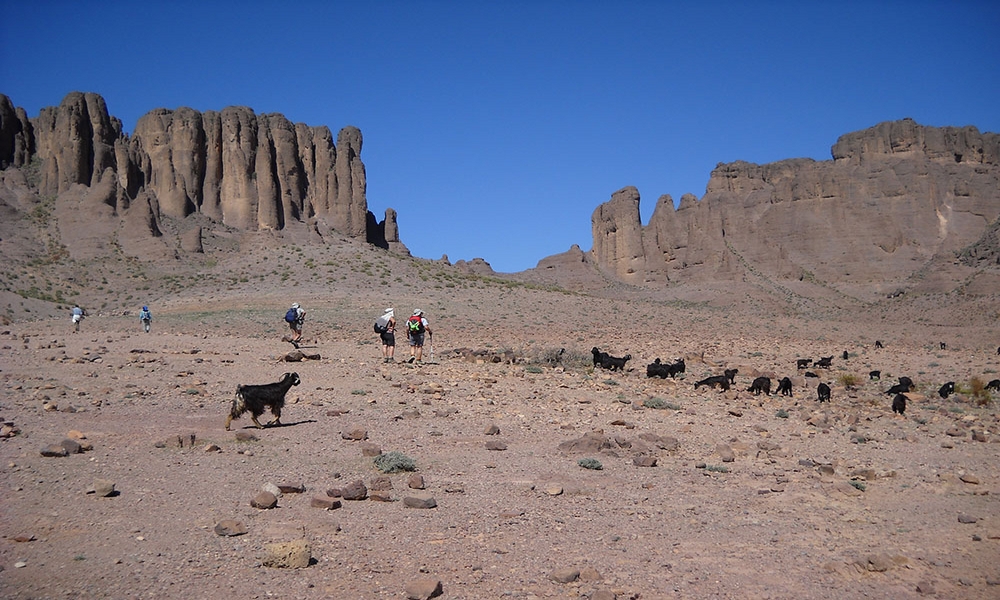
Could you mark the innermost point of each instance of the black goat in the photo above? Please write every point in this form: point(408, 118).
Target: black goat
point(716, 380)
point(658, 369)
point(811, 374)
point(257, 398)
point(760, 384)
point(784, 387)
point(943, 345)
point(823, 392)
point(906, 381)
point(947, 389)
point(731, 375)
point(904, 385)
point(899, 404)
point(802, 363)
point(873, 375)
point(598, 356)
point(878, 344)
point(845, 355)
point(993, 385)
point(614, 363)
point(824, 362)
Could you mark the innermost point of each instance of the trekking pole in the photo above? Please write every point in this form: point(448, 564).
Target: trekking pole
point(430, 336)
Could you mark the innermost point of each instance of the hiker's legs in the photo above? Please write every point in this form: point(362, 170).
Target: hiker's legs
point(420, 352)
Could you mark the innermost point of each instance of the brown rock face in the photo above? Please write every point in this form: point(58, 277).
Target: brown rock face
point(897, 199)
point(247, 171)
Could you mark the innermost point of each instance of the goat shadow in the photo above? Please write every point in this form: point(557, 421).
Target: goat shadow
point(270, 426)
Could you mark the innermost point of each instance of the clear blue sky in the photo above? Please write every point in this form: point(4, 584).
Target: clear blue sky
point(495, 129)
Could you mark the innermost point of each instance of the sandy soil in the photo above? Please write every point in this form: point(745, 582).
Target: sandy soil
point(838, 500)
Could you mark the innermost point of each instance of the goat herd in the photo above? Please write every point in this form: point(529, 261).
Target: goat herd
point(763, 384)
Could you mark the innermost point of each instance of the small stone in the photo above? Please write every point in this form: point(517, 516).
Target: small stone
point(590, 574)
point(20, 564)
point(492, 430)
point(292, 488)
point(565, 575)
point(230, 528)
point(357, 434)
point(825, 470)
point(978, 436)
point(725, 453)
point(369, 449)
point(879, 563)
point(326, 503)
point(970, 479)
point(264, 500)
point(382, 482)
point(71, 446)
point(380, 496)
point(967, 519)
point(76, 435)
point(288, 555)
point(644, 461)
point(355, 490)
point(270, 487)
point(419, 501)
point(54, 450)
point(212, 448)
point(24, 538)
point(553, 489)
point(496, 445)
point(423, 589)
point(245, 436)
point(415, 482)
point(104, 488)
point(955, 432)
point(925, 587)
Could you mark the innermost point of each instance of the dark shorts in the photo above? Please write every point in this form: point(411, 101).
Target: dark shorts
point(417, 339)
point(388, 338)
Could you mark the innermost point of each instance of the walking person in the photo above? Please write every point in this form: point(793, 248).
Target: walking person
point(295, 317)
point(386, 328)
point(146, 318)
point(78, 315)
point(416, 327)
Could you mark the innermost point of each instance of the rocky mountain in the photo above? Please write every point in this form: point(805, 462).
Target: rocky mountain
point(895, 208)
point(232, 168)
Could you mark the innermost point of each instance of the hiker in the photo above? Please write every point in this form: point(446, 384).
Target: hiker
point(415, 328)
point(78, 315)
point(145, 317)
point(295, 317)
point(386, 328)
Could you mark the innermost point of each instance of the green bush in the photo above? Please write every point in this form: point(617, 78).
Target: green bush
point(781, 414)
point(590, 463)
point(394, 462)
point(660, 403)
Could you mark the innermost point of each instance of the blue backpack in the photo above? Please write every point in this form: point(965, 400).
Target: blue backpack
point(292, 315)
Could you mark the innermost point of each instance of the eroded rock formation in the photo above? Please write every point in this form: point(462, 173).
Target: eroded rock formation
point(894, 199)
point(246, 171)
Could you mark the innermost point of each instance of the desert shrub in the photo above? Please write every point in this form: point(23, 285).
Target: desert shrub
point(358, 392)
point(394, 462)
point(977, 389)
point(609, 382)
point(717, 468)
point(660, 403)
point(781, 414)
point(533, 369)
point(590, 463)
point(848, 380)
point(859, 485)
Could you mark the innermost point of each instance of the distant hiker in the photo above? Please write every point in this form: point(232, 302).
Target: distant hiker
point(416, 326)
point(78, 315)
point(385, 326)
point(145, 317)
point(295, 317)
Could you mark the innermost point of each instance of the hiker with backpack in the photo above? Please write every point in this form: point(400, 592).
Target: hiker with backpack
point(146, 318)
point(416, 326)
point(295, 317)
point(385, 326)
point(78, 314)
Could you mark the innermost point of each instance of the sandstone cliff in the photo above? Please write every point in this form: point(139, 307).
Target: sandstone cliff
point(895, 200)
point(235, 168)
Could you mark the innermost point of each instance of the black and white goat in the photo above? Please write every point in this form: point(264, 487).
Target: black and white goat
point(947, 389)
point(257, 398)
point(993, 385)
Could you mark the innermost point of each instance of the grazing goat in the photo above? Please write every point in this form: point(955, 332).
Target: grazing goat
point(998, 350)
point(947, 389)
point(845, 355)
point(802, 363)
point(716, 380)
point(824, 362)
point(598, 356)
point(943, 345)
point(811, 374)
point(731, 375)
point(873, 375)
point(899, 404)
point(878, 344)
point(905, 384)
point(760, 384)
point(256, 398)
point(614, 363)
point(658, 369)
point(823, 391)
point(993, 385)
point(785, 387)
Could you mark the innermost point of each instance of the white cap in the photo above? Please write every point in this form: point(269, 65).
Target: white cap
point(295, 305)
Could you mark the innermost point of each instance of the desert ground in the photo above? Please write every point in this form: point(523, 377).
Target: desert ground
point(701, 493)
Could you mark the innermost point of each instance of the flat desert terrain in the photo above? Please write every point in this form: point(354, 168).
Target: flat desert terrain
point(701, 493)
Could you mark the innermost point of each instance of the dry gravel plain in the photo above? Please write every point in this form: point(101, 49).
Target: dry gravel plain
point(702, 493)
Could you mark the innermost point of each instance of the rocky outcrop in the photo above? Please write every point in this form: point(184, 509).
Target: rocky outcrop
point(242, 170)
point(894, 199)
